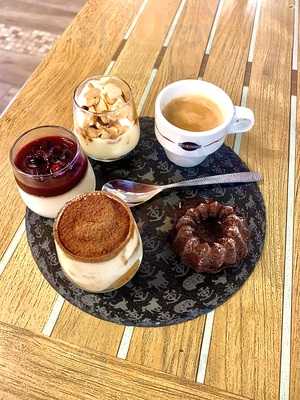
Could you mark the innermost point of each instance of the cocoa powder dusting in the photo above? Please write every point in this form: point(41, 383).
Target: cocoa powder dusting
point(93, 226)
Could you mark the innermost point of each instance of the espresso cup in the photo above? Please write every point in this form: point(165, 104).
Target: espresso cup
point(186, 148)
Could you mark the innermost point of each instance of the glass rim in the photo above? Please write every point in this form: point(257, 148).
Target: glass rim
point(95, 77)
point(51, 175)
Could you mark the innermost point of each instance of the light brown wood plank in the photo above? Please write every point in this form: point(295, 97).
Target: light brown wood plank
point(183, 57)
point(86, 331)
point(295, 352)
point(175, 349)
point(245, 349)
point(85, 48)
point(143, 47)
point(32, 366)
point(139, 54)
point(228, 57)
point(26, 298)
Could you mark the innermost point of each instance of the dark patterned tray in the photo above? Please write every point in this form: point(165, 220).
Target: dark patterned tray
point(164, 291)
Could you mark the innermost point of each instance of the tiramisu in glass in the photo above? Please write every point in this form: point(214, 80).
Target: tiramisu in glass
point(50, 168)
point(105, 118)
point(97, 242)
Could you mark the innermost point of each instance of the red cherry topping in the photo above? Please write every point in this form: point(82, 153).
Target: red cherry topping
point(46, 155)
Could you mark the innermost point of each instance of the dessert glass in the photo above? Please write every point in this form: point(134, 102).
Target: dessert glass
point(50, 168)
point(97, 242)
point(105, 118)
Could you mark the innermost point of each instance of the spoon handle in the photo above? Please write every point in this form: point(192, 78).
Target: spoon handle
point(239, 177)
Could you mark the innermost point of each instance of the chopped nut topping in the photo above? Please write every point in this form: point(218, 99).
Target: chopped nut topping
point(106, 98)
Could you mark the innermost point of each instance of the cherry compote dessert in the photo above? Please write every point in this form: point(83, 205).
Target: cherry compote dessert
point(50, 168)
point(53, 160)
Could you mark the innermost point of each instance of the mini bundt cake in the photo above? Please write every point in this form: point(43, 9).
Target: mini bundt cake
point(211, 237)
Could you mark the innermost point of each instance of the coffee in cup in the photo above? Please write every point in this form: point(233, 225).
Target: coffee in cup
point(193, 113)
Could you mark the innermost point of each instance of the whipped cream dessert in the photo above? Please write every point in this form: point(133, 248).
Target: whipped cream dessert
point(105, 118)
point(97, 242)
point(50, 169)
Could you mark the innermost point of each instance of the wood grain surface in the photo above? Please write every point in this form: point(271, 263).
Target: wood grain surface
point(183, 57)
point(228, 57)
point(136, 61)
point(26, 298)
point(41, 368)
point(84, 330)
point(245, 357)
point(144, 52)
point(85, 48)
point(175, 349)
point(295, 362)
point(172, 349)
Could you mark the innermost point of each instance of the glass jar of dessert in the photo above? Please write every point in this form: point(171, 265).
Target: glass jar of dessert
point(105, 118)
point(97, 242)
point(50, 168)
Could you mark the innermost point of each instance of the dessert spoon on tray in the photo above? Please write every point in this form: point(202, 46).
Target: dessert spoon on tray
point(135, 193)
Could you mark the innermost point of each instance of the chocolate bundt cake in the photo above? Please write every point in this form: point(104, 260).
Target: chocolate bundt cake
point(211, 237)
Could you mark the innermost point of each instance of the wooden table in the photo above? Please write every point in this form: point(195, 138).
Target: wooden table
point(250, 345)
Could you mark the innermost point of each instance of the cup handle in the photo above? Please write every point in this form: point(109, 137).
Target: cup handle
point(242, 121)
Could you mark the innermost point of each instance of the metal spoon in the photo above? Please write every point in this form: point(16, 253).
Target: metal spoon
point(134, 193)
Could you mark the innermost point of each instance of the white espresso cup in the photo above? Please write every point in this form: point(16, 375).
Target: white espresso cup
point(186, 148)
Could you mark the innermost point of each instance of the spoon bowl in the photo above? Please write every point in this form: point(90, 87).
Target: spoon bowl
point(130, 191)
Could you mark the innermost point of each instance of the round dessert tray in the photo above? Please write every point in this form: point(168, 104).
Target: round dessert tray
point(164, 291)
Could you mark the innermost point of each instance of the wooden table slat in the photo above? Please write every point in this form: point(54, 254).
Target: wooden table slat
point(246, 344)
point(183, 57)
point(172, 349)
point(82, 329)
point(227, 60)
point(138, 57)
point(36, 367)
point(295, 348)
point(26, 298)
